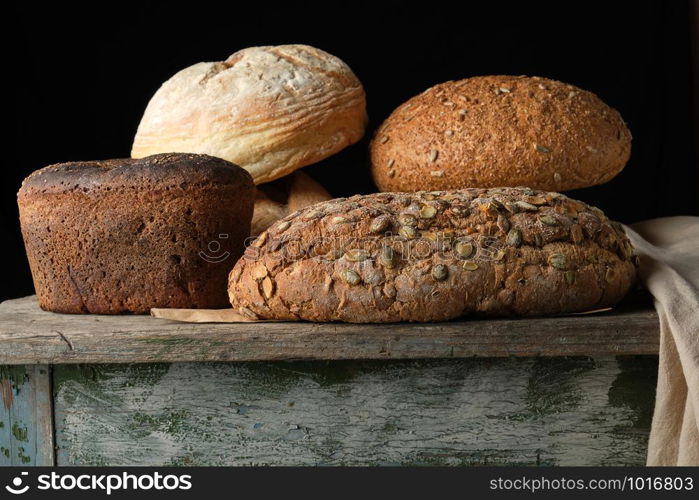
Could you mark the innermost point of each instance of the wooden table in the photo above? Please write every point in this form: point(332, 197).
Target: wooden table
point(125, 390)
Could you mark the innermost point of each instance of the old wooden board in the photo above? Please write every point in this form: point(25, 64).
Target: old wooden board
point(528, 411)
point(30, 335)
point(26, 419)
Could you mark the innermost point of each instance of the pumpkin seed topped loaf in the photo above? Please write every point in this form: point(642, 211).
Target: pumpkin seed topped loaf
point(433, 256)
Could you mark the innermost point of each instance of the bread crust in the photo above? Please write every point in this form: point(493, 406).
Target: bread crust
point(270, 109)
point(506, 251)
point(265, 213)
point(491, 131)
point(304, 192)
point(284, 196)
point(122, 236)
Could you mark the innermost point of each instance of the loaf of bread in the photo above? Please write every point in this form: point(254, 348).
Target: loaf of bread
point(268, 109)
point(433, 256)
point(279, 198)
point(492, 131)
point(265, 213)
point(304, 192)
point(122, 236)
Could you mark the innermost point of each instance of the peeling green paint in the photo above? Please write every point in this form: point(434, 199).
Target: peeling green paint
point(630, 387)
point(541, 402)
point(22, 457)
point(171, 422)
point(512, 411)
point(180, 461)
point(94, 459)
point(20, 433)
point(144, 374)
point(16, 374)
point(25, 419)
point(477, 458)
point(76, 373)
point(390, 428)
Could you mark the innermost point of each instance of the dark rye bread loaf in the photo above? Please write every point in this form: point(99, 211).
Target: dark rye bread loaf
point(122, 236)
point(491, 131)
point(432, 256)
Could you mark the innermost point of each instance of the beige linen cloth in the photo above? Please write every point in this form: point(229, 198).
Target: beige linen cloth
point(669, 252)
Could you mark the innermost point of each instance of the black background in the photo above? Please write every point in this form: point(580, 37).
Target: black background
point(81, 76)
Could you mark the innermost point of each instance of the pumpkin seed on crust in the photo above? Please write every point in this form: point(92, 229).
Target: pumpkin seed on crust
point(440, 272)
point(350, 277)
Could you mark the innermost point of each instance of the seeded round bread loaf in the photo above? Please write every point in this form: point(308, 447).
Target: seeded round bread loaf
point(279, 198)
point(269, 109)
point(433, 256)
point(122, 236)
point(491, 131)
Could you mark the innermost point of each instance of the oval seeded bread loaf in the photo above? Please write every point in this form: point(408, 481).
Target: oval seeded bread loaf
point(269, 109)
point(122, 236)
point(491, 131)
point(433, 256)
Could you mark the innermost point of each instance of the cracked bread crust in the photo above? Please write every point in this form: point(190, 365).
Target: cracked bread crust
point(269, 109)
point(122, 236)
point(434, 256)
point(491, 131)
point(278, 199)
point(161, 171)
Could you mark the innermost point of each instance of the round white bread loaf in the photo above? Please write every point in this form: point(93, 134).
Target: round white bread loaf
point(269, 109)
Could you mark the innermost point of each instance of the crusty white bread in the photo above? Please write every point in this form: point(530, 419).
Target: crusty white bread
point(270, 109)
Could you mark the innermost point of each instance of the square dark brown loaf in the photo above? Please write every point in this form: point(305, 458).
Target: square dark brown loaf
point(432, 256)
point(122, 236)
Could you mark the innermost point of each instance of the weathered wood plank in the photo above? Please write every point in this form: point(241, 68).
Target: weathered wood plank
point(562, 411)
point(30, 335)
point(26, 420)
